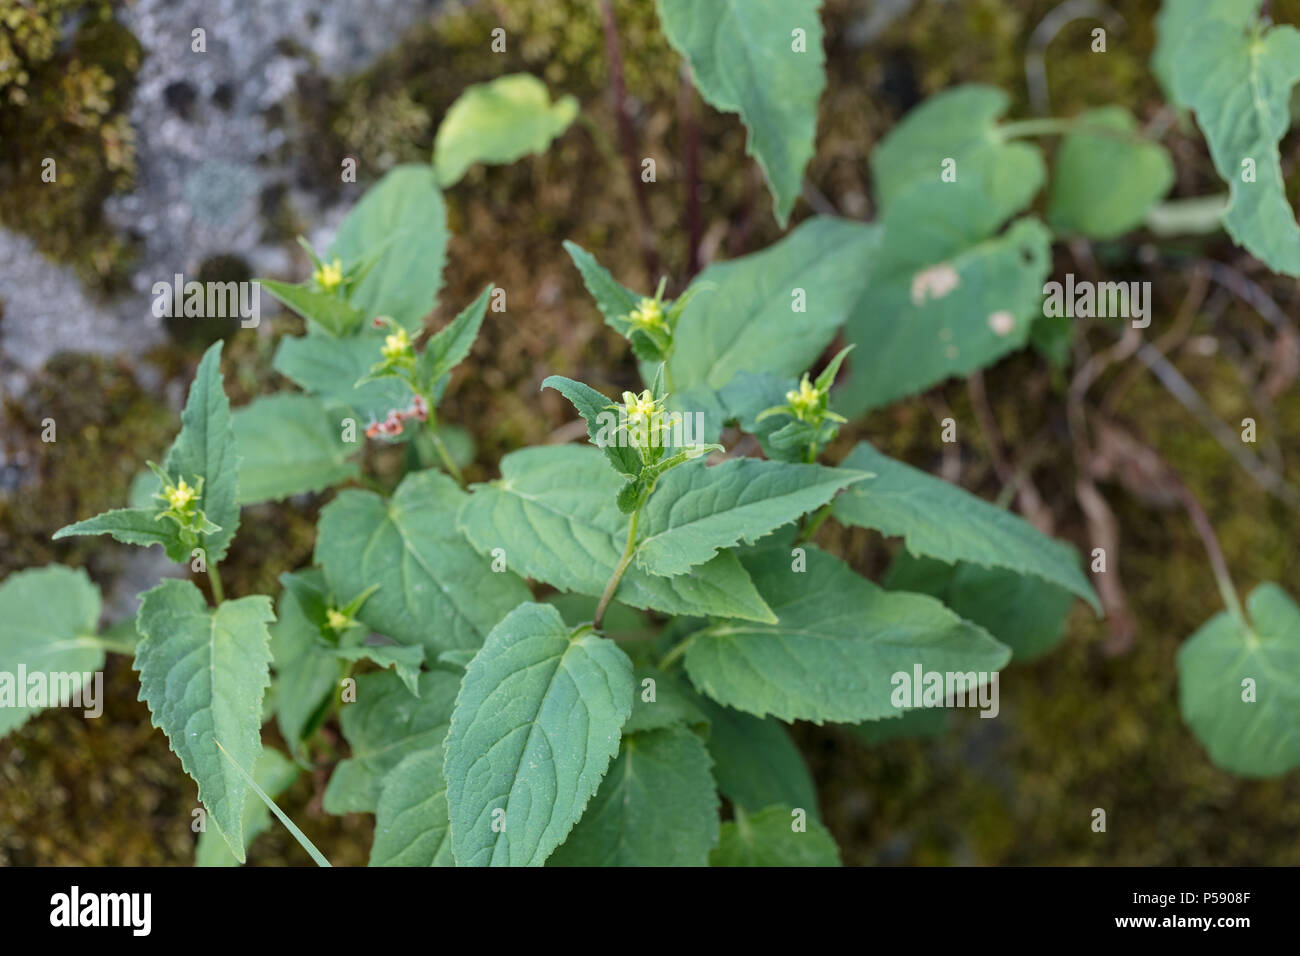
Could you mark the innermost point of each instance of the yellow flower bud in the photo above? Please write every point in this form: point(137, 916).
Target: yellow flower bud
point(648, 313)
point(804, 401)
point(329, 275)
point(396, 345)
point(639, 407)
point(337, 619)
point(181, 496)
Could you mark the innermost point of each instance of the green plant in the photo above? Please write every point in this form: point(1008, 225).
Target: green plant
point(580, 658)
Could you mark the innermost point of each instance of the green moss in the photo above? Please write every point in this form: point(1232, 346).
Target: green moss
point(67, 103)
point(104, 425)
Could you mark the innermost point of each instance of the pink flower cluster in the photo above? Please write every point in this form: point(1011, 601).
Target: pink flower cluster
point(393, 425)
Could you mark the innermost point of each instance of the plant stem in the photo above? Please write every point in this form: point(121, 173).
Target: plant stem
point(445, 455)
point(673, 655)
point(1035, 127)
point(691, 142)
point(1218, 564)
point(811, 529)
point(1053, 126)
point(1195, 216)
point(214, 578)
point(619, 571)
point(113, 647)
point(627, 138)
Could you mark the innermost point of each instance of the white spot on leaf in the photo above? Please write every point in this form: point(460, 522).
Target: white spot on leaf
point(934, 283)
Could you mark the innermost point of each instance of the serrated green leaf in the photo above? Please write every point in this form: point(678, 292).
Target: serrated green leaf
point(289, 444)
point(1239, 82)
point(747, 58)
point(937, 519)
point(331, 368)
point(554, 515)
point(756, 763)
point(838, 643)
point(411, 819)
point(203, 673)
point(674, 703)
point(499, 122)
point(434, 590)
point(656, 807)
point(405, 660)
point(317, 857)
point(1248, 728)
point(749, 323)
point(457, 659)
point(536, 724)
point(613, 299)
point(741, 400)
point(138, 526)
point(633, 495)
point(382, 726)
point(699, 510)
point(205, 448)
point(403, 220)
point(48, 620)
point(448, 348)
point(593, 407)
point(307, 671)
point(1021, 610)
point(275, 774)
point(331, 312)
point(769, 839)
point(1103, 186)
point(204, 451)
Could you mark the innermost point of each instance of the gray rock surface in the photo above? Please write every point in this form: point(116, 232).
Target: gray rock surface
point(206, 151)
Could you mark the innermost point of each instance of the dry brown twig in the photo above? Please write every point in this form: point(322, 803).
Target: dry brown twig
point(627, 140)
point(1027, 496)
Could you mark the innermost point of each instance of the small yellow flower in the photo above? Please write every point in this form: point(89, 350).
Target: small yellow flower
point(337, 620)
point(329, 275)
point(182, 496)
point(639, 408)
point(648, 314)
point(396, 345)
point(804, 401)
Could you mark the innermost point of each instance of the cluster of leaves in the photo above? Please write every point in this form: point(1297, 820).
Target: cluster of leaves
point(949, 287)
point(501, 729)
point(514, 731)
point(689, 616)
